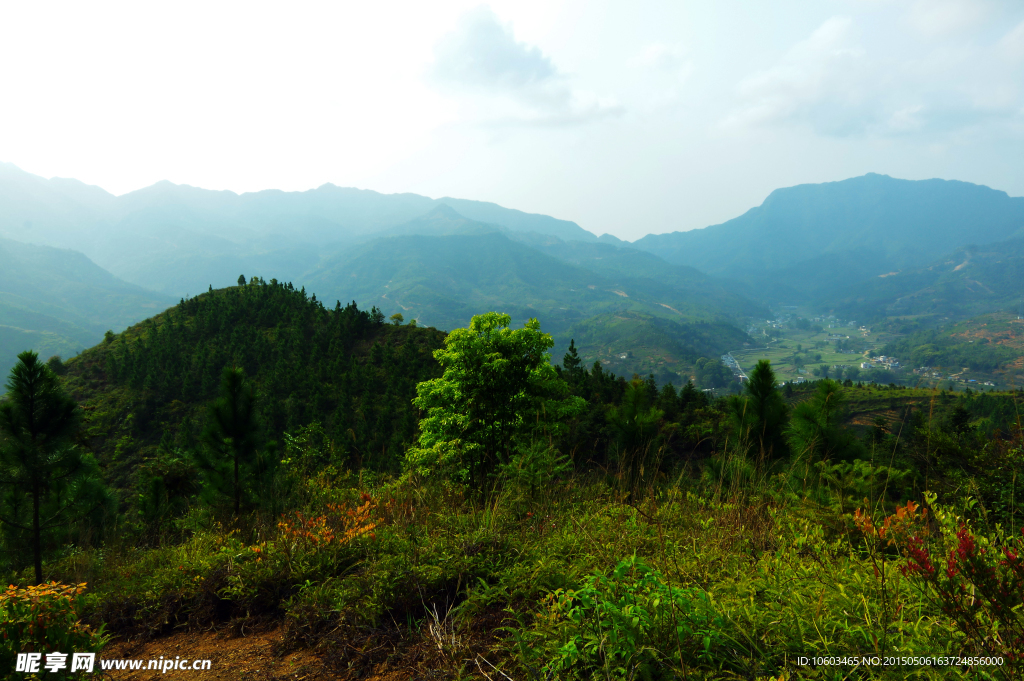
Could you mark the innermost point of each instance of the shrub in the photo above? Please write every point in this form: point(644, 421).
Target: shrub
point(44, 618)
point(976, 581)
point(630, 624)
point(303, 536)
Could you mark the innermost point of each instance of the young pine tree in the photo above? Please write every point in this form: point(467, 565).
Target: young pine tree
point(816, 428)
point(45, 480)
point(234, 464)
point(573, 366)
point(760, 416)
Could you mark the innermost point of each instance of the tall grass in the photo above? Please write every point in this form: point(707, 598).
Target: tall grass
point(734, 568)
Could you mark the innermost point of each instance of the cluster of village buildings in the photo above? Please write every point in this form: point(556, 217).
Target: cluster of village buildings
point(958, 377)
point(881, 362)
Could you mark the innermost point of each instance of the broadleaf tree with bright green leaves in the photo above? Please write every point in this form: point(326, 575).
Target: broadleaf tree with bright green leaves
point(498, 391)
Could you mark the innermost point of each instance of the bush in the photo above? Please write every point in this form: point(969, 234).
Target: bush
point(978, 585)
point(57, 365)
point(630, 624)
point(45, 618)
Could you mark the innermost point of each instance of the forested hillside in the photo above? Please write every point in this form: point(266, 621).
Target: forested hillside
point(393, 500)
point(146, 390)
point(972, 280)
point(630, 264)
point(442, 281)
point(629, 342)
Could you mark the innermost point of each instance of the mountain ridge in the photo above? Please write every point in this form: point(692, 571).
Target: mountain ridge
point(900, 223)
point(58, 301)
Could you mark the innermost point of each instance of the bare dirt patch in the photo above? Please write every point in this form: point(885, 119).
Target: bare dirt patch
point(255, 656)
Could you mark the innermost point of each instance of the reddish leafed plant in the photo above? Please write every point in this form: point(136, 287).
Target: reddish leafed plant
point(977, 582)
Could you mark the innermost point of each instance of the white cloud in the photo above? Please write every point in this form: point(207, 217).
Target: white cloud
point(945, 17)
point(506, 82)
point(483, 53)
point(841, 82)
point(1012, 44)
point(818, 79)
point(907, 119)
point(659, 56)
point(665, 60)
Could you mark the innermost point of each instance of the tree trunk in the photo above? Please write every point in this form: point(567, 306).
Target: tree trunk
point(238, 492)
point(37, 547)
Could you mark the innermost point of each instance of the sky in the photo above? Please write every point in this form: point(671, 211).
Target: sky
point(629, 118)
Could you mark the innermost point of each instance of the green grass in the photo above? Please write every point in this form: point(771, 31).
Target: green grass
point(721, 583)
point(783, 352)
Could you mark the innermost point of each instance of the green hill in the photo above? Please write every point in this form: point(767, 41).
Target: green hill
point(146, 391)
point(971, 280)
point(812, 239)
point(630, 265)
point(628, 343)
point(442, 281)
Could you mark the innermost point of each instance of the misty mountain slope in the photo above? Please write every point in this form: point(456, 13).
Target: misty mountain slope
point(627, 265)
point(14, 341)
point(518, 221)
point(444, 221)
point(891, 224)
point(628, 343)
point(60, 298)
point(57, 212)
point(620, 266)
point(443, 281)
point(176, 238)
point(971, 280)
point(179, 261)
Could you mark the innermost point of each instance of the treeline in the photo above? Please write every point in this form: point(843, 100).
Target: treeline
point(623, 417)
point(338, 389)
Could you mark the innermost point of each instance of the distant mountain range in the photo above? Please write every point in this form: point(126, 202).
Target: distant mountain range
point(442, 269)
point(437, 261)
point(58, 302)
point(811, 241)
point(870, 245)
point(178, 239)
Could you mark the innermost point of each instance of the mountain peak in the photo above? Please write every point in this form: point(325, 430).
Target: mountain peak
point(445, 211)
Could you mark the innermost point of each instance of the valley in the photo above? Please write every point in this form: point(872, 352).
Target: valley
point(430, 438)
point(503, 341)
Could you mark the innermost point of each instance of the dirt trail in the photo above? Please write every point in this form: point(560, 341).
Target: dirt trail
point(256, 657)
point(232, 657)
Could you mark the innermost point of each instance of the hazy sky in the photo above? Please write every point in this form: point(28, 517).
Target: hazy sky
point(626, 117)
